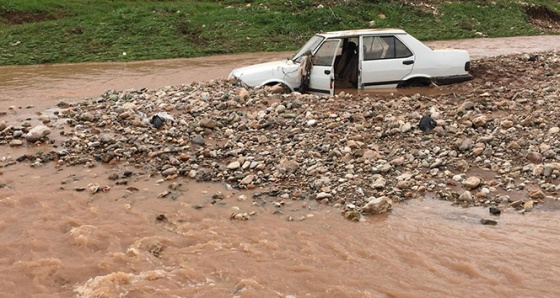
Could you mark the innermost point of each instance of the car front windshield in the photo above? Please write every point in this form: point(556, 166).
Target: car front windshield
point(310, 45)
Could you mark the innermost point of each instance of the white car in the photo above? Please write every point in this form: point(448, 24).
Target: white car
point(367, 58)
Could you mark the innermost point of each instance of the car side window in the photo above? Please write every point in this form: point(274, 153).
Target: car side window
point(374, 48)
point(401, 51)
point(326, 54)
point(384, 47)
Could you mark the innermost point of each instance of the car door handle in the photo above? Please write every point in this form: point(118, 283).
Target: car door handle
point(327, 72)
point(408, 62)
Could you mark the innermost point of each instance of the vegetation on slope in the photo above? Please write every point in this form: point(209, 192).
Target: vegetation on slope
point(60, 31)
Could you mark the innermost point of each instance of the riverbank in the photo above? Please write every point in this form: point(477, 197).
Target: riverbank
point(41, 32)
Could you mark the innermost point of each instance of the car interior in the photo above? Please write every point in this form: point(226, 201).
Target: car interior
point(374, 48)
point(346, 64)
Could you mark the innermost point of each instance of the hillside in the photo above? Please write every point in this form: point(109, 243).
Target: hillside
point(66, 31)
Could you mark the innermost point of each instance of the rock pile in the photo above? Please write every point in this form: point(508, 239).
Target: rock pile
point(496, 139)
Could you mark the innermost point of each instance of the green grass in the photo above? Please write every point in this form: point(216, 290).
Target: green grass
point(60, 31)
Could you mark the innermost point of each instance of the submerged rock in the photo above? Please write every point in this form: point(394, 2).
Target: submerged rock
point(490, 222)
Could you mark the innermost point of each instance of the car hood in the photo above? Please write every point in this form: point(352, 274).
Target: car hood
point(260, 74)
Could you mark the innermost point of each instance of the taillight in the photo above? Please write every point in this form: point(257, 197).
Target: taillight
point(468, 66)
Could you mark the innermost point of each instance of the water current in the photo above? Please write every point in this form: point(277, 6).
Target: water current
point(60, 241)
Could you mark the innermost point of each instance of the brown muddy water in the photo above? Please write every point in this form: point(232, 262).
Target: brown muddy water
point(58, 241)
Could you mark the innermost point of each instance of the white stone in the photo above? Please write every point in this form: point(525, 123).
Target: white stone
point(248, 179)
point(234, 165)
point(472, 182)
point(37, 133)
point(378, 205)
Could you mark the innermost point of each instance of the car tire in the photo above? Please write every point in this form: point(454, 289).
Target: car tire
point(285, 89)
point(412, 83)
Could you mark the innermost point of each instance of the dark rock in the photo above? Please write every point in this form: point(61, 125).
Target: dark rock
point(427, 123)
point(156, 121)
point(161, 218)
point(203, 176)
point(63, 105)
point(494, 210)
point(198, 139)
point(533, 58)
point(489, 222)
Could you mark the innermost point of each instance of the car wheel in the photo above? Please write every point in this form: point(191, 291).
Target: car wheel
point(279, 88)
point(412, 83)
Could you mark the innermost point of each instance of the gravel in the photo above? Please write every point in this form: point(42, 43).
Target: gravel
point(494, 135)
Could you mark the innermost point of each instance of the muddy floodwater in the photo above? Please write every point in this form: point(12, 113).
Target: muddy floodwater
point(44, 85)
point(59, 240)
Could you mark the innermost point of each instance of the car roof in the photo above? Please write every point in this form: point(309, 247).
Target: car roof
point(344, 33)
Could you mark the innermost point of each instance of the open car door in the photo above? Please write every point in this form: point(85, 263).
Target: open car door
point(322, 72)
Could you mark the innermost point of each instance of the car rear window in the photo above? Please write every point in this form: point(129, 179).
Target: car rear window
point(384, 47)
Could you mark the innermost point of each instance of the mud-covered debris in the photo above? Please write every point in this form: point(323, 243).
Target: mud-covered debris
point(161, 218)
point(93, 188)
point(352, 215)
point(164, 194)
point(239, 216)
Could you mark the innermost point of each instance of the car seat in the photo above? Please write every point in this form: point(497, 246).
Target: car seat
point(348, 53)
point(351, 73)
point(351, 68)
